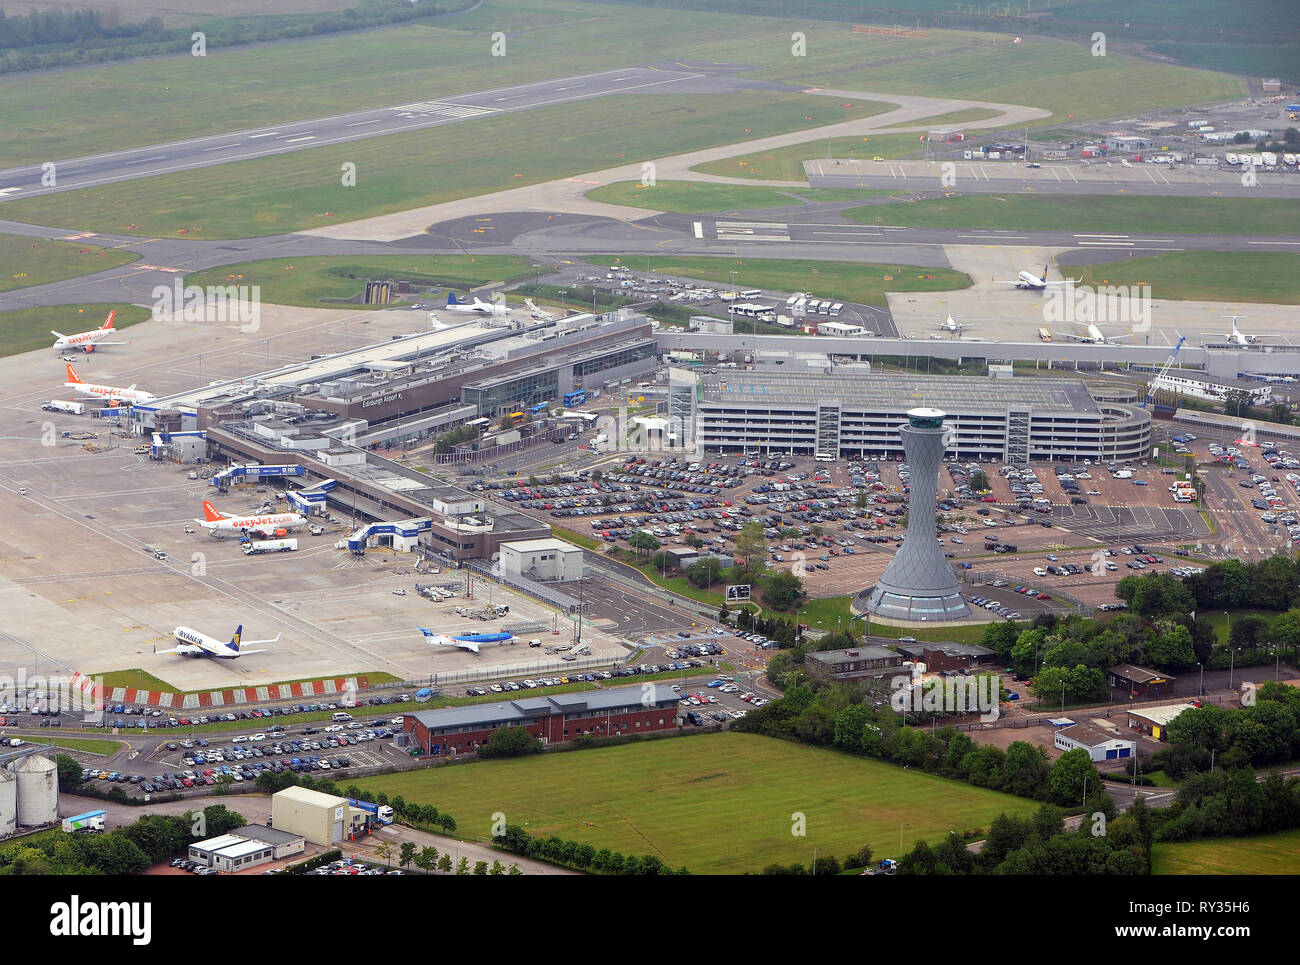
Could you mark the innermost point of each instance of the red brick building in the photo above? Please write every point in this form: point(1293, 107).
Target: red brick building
point(556, 720)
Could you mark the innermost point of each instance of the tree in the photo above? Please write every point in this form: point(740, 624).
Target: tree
point(1071, 772)
point(497, 868)
point(444, 863)
point(643, 543)
point(463, 867)
point(510, 742)
point(427, 859)
point(751, 546)
point(783, 591)
point(385, 850)
point(1236, 402)
point(1025, 770)
point(1172, 649)
point(69, 773)
point(705, 572)
point(480, 867)
point(407, 854)
point(447, 823)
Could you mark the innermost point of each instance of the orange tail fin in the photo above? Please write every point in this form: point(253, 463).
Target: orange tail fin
point(211, 514)
point(108, 322)
point(72, 373)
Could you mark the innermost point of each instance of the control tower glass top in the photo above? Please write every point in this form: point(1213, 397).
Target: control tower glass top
point(925, 418)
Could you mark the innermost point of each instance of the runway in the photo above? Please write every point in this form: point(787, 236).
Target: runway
point(168, 157)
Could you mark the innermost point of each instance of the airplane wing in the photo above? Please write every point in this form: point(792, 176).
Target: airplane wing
point(109, 343)
point(1072, 337)
point(467, 645)
point(245, 653)
point(1064, 281)
point(272, 640)
point(184, 649)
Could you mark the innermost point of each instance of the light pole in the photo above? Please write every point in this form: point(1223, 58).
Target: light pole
point(1200, 689)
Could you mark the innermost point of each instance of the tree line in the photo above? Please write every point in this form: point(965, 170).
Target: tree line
point(574, 854)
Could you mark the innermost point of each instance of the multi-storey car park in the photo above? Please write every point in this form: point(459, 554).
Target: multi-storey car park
point(849, 415)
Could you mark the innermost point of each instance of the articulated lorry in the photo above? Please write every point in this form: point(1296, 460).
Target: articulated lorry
point(256, 546)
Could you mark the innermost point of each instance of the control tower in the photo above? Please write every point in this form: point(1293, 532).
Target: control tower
point(919, 585)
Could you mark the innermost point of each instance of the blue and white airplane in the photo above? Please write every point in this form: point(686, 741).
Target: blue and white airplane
point(454, 304)
point(192, 643)
point(464, 641)
point(1033, 282)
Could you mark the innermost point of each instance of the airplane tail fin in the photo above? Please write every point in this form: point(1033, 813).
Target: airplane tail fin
point(453, 300)
point(234, 641)
point(1044, 278)
point(427, 633)
point(57, 334)
point(72, 373)
point(209, 511)
point(108, 322)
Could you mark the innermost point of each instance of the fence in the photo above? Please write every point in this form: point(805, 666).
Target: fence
point(498, 671)
point(495, 452)
point(988, 576)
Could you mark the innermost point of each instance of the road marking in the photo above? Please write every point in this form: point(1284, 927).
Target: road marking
point(699, 229)
point(295, 140)
point(222, 147)
point(267, 134)
point(1101, 236)
point(146, 160)
point(373, 120)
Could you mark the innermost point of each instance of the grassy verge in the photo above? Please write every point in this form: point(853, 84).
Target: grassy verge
point(1266, 854)
point(1222, 621)
point(308, 281)
point(586, 542)
point(87, 744)
point(1236, 276)
point(839, 280)
point(28, 329)
point(397, 172)
point(1074, 212)
point(699, 197)
point(36, 261)
point(722, 802)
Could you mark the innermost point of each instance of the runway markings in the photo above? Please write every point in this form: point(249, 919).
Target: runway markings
point(253, 137)
point(222, 147)
point(146, 160)
point(295, 140)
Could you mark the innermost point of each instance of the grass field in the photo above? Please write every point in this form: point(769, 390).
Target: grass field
point(143, 680)
point(1225, 276)
point(26, 329)
point(716, 803)
point(1222, 621)
point(1266, 854)
point(1076, 212)
point(35, 261)
point(865, 284)
point(88, 744)
point(699, 197)
point(400, 171)
point(306, 281)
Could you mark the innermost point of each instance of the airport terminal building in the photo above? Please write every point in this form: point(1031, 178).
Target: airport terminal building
point(841, 415)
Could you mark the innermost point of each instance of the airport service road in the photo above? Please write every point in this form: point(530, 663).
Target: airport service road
point(1064, 177)
point(165, 158)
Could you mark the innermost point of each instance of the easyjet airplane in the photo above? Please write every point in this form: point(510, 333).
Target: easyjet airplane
point(86, 341)
point(110, 393)
point(219, 524)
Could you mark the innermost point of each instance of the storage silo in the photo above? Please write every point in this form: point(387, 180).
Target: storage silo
point(8, 802)
point(38, 791)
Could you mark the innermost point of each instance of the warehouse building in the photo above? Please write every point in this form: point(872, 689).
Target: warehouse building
point(556, 720)
point(836, 666)
point(939, 657)
point(837, 415)
point(1155, 720)
point(323, 819)
point(1100, 745)
point(544, 560)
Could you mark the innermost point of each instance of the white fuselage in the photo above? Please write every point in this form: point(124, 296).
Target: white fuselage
point(235, 525)
point(109, 393)
point(1029, 280)
point(83, 339)
point(477, 307)
point(193, 643)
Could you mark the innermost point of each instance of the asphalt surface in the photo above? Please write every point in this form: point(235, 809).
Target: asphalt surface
point(244, 145)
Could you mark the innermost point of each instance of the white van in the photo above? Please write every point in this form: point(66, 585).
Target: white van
point(340, 715)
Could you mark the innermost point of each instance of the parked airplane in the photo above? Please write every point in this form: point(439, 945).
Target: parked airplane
point(464, 641)
point(454, 304)
point(1031, 281)
point(1236, 336)
point(192, 643)
point(950, 325)
point(86, 341)
point(1093, 335)
point(112, 393)
point(220, 524)
point(537, 313)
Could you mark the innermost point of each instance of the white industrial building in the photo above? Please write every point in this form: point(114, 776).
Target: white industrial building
point(542, 559)
point(246, 847)
point(1100, 745)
